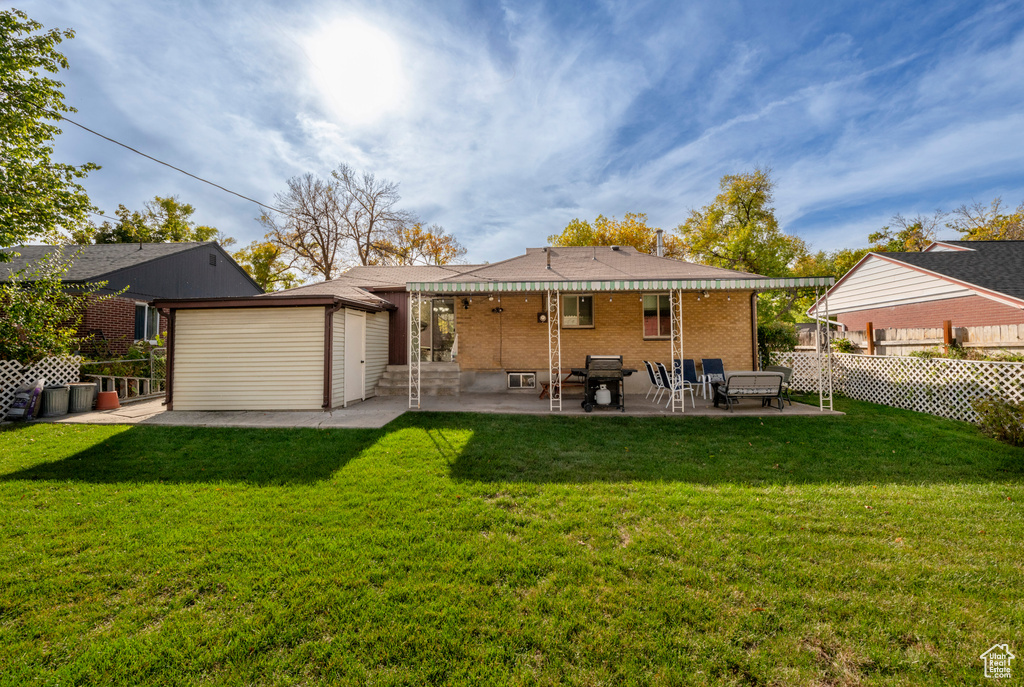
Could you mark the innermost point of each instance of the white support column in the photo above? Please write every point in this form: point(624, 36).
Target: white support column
point(825, 393)
point(675, 306)
point(414, 349)
point(554, 351)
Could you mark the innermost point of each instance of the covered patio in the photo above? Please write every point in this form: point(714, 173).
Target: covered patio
point(552, 292)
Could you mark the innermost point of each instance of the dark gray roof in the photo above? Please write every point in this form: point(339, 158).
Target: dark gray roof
point(577, 263)
point(993, 265)
point(93, 261)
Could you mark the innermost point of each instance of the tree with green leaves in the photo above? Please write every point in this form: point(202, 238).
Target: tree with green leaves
point(163, 220)
point(39, 317)
point(39, 198)
point(738, 230)
point(264, 262)
point(632, 230)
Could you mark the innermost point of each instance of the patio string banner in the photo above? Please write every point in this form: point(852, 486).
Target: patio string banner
point(938, 386)
point(62, 370)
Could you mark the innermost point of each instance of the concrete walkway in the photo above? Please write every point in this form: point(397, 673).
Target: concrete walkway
point(377, 412)
point(370, 414)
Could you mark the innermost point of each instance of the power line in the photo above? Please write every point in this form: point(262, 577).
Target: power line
point(197, 178)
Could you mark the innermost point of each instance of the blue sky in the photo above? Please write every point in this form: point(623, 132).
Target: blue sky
point(503, 121)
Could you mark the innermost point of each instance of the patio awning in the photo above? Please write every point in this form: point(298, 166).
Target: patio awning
point(756, 284)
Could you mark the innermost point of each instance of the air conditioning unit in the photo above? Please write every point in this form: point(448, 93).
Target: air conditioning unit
point(522, 380)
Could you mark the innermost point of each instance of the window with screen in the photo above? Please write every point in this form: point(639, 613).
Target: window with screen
point(657, 316)
point(577, 311)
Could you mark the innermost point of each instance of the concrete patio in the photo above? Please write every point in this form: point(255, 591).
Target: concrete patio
point(377, 412)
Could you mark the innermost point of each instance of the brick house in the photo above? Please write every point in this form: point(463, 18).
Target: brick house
point(145, 271)
point(518, 323)
point(971, 283)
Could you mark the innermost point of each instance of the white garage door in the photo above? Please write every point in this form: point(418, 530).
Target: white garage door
point(249, 359)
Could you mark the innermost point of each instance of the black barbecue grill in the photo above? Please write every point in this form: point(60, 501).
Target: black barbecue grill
point(603, 371)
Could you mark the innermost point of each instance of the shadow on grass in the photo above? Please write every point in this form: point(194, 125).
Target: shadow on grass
point(185, 454)
point(872, 444)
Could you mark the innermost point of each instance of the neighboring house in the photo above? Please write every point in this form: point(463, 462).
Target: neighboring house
point(145, 271)
point(971, 283)
point(481, 327)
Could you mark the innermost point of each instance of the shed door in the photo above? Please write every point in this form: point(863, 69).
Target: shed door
point(355, 354)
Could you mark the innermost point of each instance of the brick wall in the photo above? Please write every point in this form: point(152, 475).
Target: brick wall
point(713, 327)
point(968, 311)
point(115, 318)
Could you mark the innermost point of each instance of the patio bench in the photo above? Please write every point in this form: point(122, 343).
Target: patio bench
point(764, 385)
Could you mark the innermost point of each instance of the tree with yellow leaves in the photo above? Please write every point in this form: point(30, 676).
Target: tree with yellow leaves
point(632, 230)
point(978, 223)
point(418, 245)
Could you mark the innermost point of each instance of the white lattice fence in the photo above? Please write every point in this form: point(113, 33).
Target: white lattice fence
point(937, 386)
point(54, 370)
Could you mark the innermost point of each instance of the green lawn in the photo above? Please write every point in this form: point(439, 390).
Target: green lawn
point(882, 547)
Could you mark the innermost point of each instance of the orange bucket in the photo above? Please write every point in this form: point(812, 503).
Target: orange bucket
point(107, 400)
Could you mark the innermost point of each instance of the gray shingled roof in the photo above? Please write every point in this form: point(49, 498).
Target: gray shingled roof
point(591, 263)
point(994, 265)
point(342, 287)
point(568, 263)
point(94, 261)
point(375, 276)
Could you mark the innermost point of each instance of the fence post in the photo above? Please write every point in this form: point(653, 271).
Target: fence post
point(947, 334)
point(870, 335)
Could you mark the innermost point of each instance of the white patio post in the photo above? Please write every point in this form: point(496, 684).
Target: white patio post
point(825, 393)
point(554, 352)
point(414, 349)
point(675, 307)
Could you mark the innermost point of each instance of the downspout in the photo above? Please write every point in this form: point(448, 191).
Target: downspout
point(329, 352)
point(753, 331)
point(169, 391)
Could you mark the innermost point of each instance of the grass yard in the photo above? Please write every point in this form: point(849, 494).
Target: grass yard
point(883, 547)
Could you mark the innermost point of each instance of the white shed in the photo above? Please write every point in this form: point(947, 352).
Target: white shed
point(289, 352)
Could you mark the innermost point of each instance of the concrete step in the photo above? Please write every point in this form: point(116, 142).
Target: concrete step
point(424, 391)
point(436, 379)
point(403, 375)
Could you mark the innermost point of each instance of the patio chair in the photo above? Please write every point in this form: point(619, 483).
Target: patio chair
point(656, 384)
point(713, 371)
point(787, 372)
point(673, 385)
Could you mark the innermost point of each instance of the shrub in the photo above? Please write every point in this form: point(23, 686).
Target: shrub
point(1001, 419)
point(843, 345)
point(774, 337)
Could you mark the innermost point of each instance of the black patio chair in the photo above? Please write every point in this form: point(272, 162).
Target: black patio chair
point(713, 373)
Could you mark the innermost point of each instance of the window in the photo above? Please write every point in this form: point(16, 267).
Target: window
point(577, 311)
point(147, 322)
point(657, 317)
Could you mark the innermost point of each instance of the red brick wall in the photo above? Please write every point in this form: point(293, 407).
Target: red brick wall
point(968, 311)
point(115, 318)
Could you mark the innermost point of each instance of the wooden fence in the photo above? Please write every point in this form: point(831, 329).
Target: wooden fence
point(63, 370)
point(991, 339)
point(939, 386)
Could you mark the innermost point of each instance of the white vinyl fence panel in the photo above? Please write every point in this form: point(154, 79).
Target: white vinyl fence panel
point(938, 386)
point(58, 370)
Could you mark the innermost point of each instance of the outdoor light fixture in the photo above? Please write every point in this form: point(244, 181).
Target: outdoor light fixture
point(491, 297)
point(542, 317)
point(465, 304)
point(704, 293)
point(498, 310)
